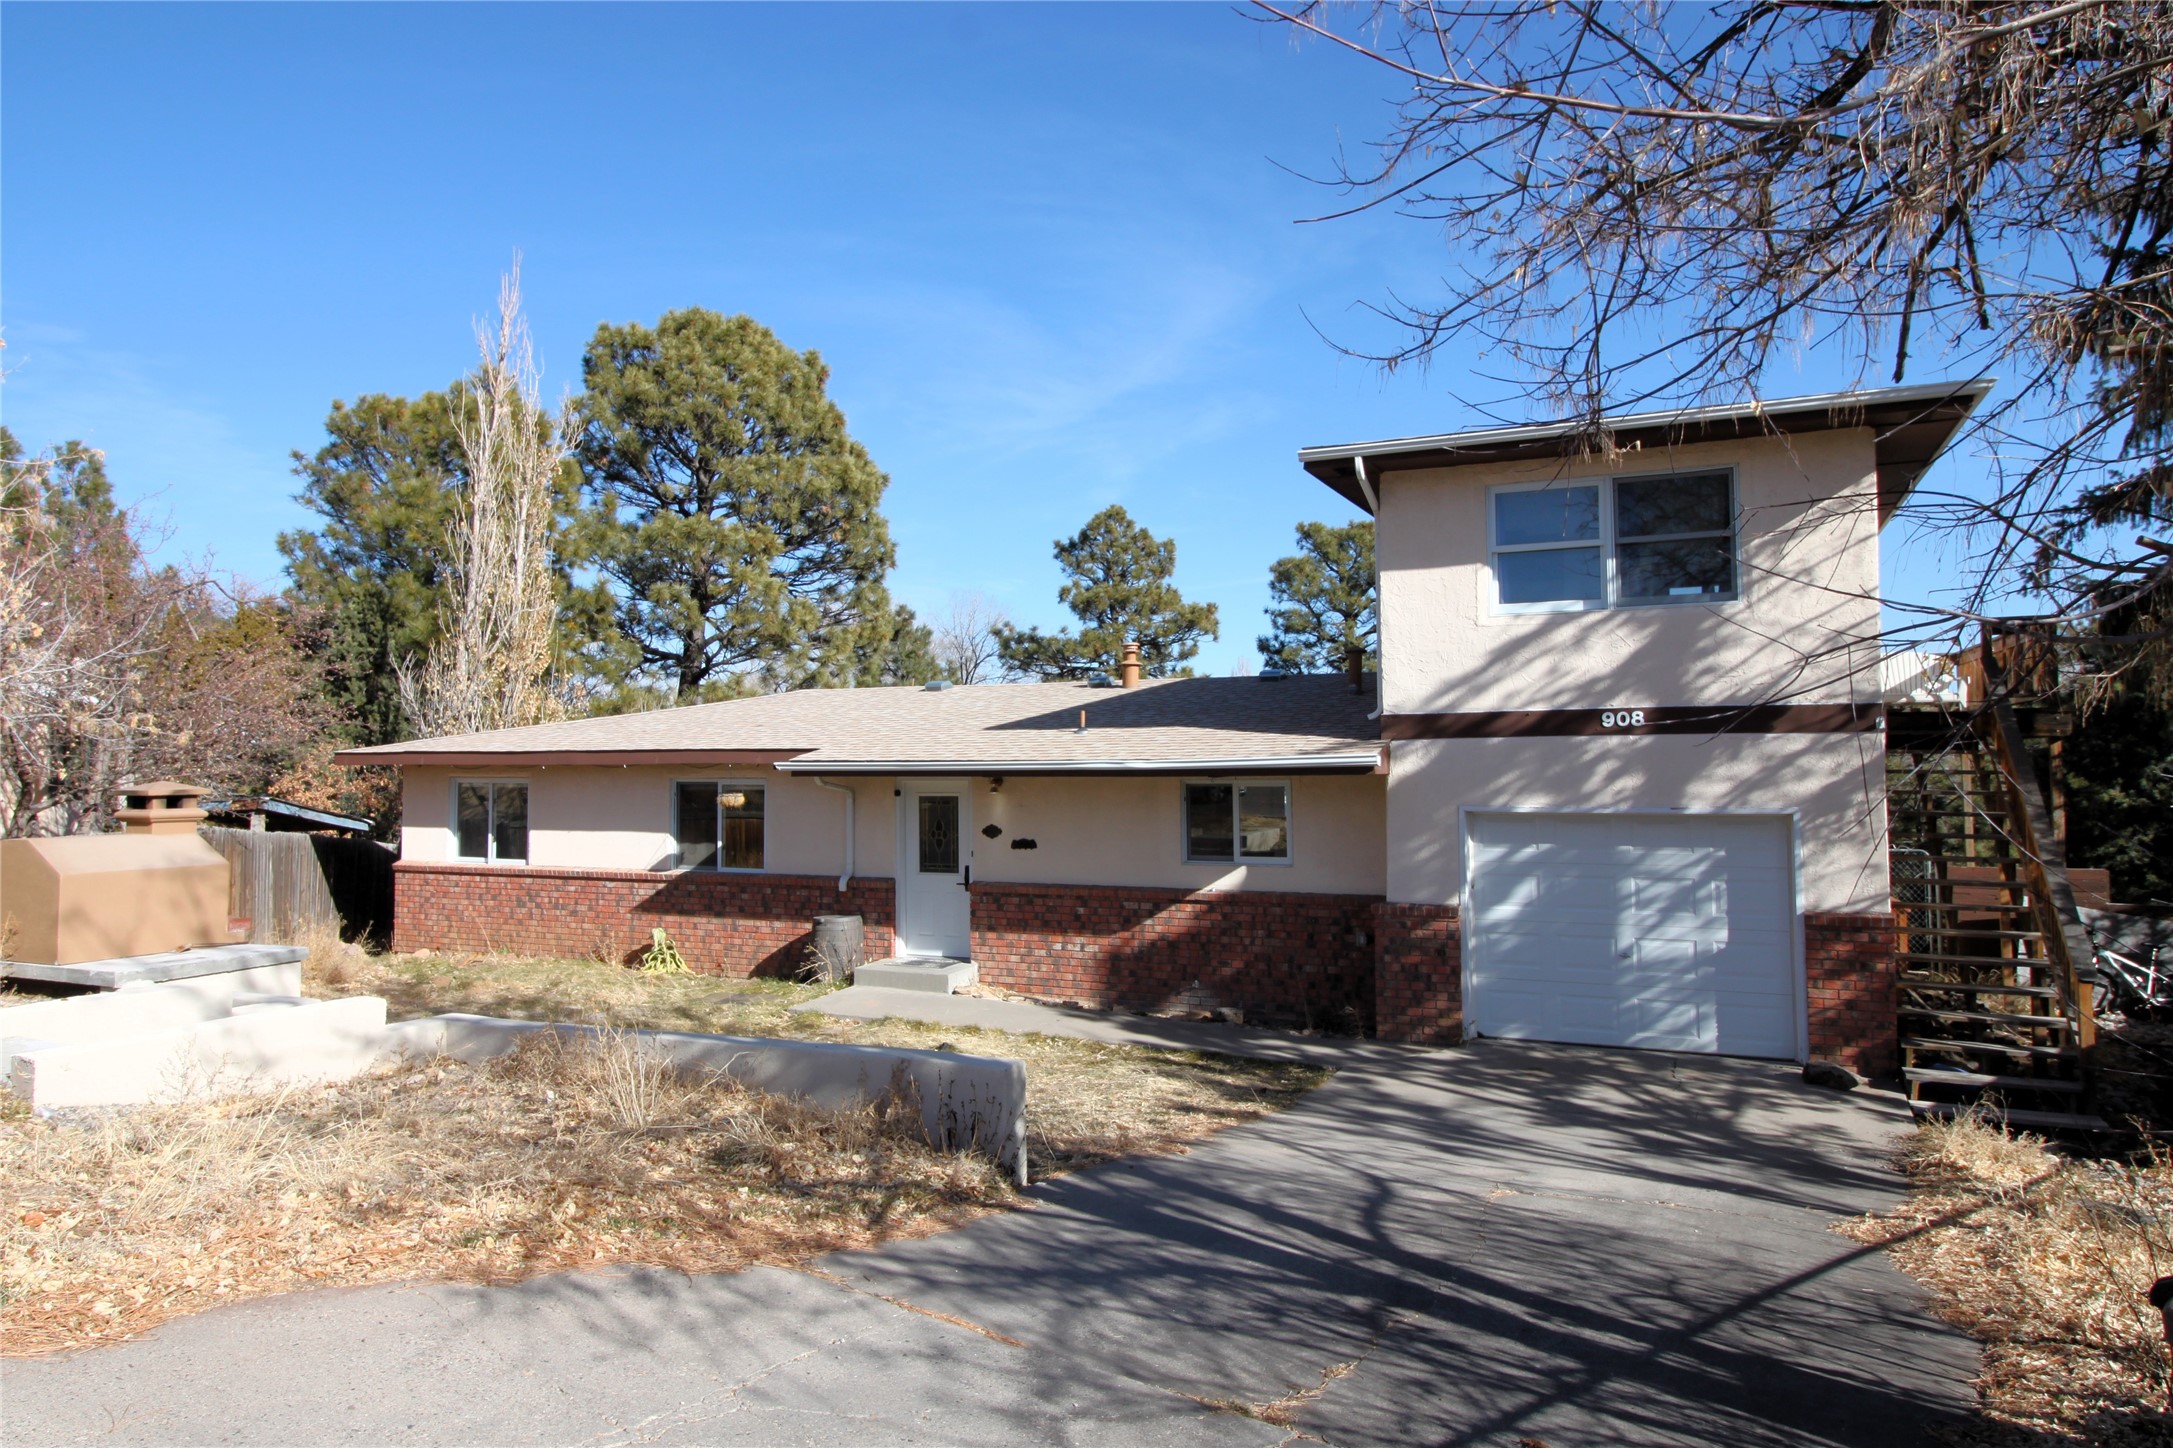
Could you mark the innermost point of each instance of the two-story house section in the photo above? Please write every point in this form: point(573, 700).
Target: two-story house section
point(1636, 771)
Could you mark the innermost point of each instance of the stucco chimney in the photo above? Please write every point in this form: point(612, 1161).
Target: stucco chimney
point(161, 807)
point(1354, 667)
point(1130, 674)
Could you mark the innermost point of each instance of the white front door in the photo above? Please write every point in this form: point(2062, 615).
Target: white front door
point(935, 865)
point(1674, 932)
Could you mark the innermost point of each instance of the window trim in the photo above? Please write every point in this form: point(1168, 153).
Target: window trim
point(1238, 856)
point(718, 782)
point(1608, 544)
point(490, 828)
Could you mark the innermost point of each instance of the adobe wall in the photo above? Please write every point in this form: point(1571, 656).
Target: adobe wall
point(737, 925)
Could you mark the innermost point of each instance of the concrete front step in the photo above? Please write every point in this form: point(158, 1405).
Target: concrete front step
point(941, 977)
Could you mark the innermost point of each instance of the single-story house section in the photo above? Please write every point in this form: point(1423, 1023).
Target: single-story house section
point(1182, 843)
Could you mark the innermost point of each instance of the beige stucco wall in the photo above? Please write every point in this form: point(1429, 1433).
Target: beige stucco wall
point(1087, 831)
point(1807, 538)
point(591, 818)
point(1131, 832)
point(1833, 782)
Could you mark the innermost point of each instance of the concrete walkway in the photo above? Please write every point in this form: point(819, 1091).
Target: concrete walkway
point(1488, 1246)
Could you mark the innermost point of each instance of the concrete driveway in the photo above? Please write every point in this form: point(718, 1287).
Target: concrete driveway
point(1498, 1245)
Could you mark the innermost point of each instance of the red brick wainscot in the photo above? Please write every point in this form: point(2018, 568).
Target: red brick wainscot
point(1418, 982)
point(724, 924)
point(1849, 968)
point(1281, 959)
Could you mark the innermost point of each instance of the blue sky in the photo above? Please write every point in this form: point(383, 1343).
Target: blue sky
point(1049, 252)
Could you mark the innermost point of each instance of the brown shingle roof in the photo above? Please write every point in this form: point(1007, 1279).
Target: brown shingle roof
point(1299, 722)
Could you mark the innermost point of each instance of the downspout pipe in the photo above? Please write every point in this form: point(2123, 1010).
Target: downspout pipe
point(850, 800)
point(1380, 612)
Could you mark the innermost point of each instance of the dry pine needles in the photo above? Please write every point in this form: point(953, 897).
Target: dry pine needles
point(2045, 1260)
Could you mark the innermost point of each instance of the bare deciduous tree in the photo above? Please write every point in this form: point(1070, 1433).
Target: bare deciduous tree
point(1651, 203)
point(490, 666)
point(965, 642)
point(111, 670)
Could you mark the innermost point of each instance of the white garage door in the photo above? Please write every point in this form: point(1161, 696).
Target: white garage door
point(1674, 932)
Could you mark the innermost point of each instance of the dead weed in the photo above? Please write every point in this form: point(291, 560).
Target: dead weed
point(1087, 1102)
point(2045, 1260)
point(559, 1155)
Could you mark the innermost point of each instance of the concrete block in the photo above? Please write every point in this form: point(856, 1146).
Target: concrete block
point(267, 1047)
point(136, 1009)
point(168, 966)
point(968, 1103)
point(940, 976)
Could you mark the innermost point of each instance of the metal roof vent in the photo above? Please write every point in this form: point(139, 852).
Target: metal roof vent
point(936, 686)
point(1100, 680)
point(1270, 673)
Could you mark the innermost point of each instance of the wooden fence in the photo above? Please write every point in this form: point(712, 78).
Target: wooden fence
point(291, 886)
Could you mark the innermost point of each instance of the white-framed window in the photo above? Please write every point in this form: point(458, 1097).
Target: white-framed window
point(490, 820)
point(1613, 542)
point(1237, 821)
point(718, 824)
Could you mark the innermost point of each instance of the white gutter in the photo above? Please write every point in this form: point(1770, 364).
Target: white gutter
point(850, 800)
point(1369, 760)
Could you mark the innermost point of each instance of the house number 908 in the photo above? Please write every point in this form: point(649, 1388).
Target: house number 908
point(1621, 718)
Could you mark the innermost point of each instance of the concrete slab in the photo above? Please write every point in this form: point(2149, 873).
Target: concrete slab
point(264, 1047)
point(938, 977)
point(968, 1102)
point(110, 1015)
point(153, 969)
point(1480, 1246)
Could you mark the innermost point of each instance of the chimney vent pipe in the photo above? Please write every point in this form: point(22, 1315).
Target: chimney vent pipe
point(1130, 674)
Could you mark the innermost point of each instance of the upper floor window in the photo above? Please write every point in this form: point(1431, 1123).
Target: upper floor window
point(719, 824)
point(1614, 541)
point(490, 820)
point(1246, 822)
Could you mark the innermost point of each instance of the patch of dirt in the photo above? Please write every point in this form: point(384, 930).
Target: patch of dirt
point(2046, 1261)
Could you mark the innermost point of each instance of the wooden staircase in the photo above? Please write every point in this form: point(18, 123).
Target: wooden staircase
point(1994, 1005)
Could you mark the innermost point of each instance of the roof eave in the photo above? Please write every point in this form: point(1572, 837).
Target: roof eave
point(1913, 425)
point(401, 756)
point(1365, 762)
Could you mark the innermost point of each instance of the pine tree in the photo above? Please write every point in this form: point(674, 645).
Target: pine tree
point(736, 520)
point(1119, 586)
point(1324, 601)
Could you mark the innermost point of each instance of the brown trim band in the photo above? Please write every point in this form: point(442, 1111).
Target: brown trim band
point(1662, 719)
point(506, 759)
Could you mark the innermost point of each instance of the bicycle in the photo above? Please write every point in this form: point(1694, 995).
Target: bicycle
point(2128, 986)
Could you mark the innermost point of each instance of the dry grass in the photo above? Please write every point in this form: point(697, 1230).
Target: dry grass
point(2045, 1261)
point(1087, 1102)
point(557, 1156)
point(560, 1156)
